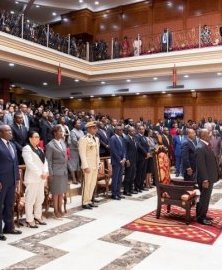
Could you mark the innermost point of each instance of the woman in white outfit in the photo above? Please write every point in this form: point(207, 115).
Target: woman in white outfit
point(36, 174)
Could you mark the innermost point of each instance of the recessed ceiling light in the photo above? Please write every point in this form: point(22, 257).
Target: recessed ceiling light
point(37, 6)
point(12, 85)
point(163, 92)
point(71, 97)
point(155, 78)
point(54, 13)
point(76, 80)
point(169, 4)
point(28, 21)
point(91, 96)
point(65, 19)
point(113, 95)
point(103, 82)
point(12, 12)
point(17, 2)
point(45, 83)
point(137, 93)
point(96, 2)
point(192, 90)
point(11, 64)
point(128, 80)
point(80, 1)
point(219, 73)
point(186, 76)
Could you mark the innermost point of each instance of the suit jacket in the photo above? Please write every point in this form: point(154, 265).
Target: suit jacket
point(8, 119)
point(34, 166)
point(46, 131)
point(89, 152)
point(110, 131)
point(131, 149)
point(188, 155)
point(19, 136)
point(207, 168)
point(177, 143)
point(103, 140)
point(117, 150)
point(142, 146)
point(57, 158)
point(9, 171)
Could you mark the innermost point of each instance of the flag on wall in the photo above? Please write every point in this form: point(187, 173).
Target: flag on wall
point(174, 76)
point(59, 75)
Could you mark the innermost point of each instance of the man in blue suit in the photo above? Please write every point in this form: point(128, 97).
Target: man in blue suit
point(131, 158)
point(118, 159)
point(189, 156)
point(9, 174)
point(103, 140)
point(178, 140)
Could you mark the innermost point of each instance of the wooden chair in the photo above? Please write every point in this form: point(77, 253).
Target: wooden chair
point(19, 206)
point(172, 192)
point(104, 176)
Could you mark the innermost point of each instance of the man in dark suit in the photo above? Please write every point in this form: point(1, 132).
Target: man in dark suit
point(103, 140)
point(168, 143)
point(9, 174)
point(131, 158)
point(142, 156)
point(118, 159)
point(178, 140)
point(207, 175)
point(46, 128)
point(188, 155)
point(111, 128)
point(20, 134)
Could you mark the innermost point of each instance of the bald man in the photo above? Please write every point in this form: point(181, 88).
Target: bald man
point(9, 174)
point(207, 175)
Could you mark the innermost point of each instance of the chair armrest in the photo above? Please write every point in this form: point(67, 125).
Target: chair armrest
point(175, 192)
point(183, 183)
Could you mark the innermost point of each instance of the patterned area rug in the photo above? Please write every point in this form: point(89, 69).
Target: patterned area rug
point(173, 225)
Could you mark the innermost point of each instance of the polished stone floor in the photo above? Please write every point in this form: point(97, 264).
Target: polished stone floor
point(94, 239)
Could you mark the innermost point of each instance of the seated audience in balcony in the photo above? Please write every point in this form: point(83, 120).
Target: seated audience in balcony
point(166, 40)
point(205, 35)
point(125, 50)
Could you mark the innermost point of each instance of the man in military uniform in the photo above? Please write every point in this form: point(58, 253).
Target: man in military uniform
point(89, 155)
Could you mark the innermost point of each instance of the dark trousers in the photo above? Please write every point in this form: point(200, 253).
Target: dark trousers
point(130, 174)
point(178, 164)
point(140, 173)
point(117, 173)
point(7, 198)
point(203, 204)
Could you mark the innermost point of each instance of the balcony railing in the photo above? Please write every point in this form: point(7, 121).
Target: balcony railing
point(197, 37)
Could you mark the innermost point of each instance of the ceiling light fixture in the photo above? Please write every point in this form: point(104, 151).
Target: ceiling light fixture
point(186, 76)
point(113, 95)
point(128, 80)
point(97, 3)
point(71, 97)
point(65, 19)
point(219, 73)
point(163, 92)
point(92, 96)
point(192, 90)
point(54, 13)
point(76, 80)
point(45, 83)
point(80, 1)
point(17, 2)
point(12, 12)
point(103, 82)
point(37, 6)
point(138, 93)
point(11, 64)
point(155, 78)
point(12, 85)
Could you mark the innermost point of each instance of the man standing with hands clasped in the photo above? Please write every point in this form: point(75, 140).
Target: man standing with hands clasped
point(9, 174)
point(89, 155)
point(207, 175)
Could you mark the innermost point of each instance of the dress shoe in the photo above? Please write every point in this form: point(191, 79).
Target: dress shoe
point(86, 207)
point(31, 225)
point(121, 196)
point(145, 189)
point(127, 193)
point(133, 192)
point(115, 197)
point(2, 237)
point(93, 205)
point(204, 221)
point(177, 174)
point(208, 218)
point(12, 232)
point(39, 221)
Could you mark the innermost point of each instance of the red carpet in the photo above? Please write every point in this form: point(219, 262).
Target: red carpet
point(173, 225)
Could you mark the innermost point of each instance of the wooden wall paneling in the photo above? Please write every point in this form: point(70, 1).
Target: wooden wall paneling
point(202, 6)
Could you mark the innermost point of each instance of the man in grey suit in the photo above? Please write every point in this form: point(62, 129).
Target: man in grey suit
point(207, 175)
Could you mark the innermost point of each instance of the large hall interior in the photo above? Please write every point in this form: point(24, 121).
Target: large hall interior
point(113, 109)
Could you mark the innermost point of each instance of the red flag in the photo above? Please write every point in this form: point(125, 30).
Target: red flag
point(174, 76)
point(59, 75)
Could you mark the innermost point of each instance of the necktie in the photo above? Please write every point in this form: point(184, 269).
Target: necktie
point(94, 138)
point(10, 150)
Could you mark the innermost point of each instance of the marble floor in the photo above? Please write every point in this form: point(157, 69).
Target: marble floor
point(94, 239)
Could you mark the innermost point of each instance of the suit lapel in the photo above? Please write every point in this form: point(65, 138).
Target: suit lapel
point(56, 145)
point(7, 150)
